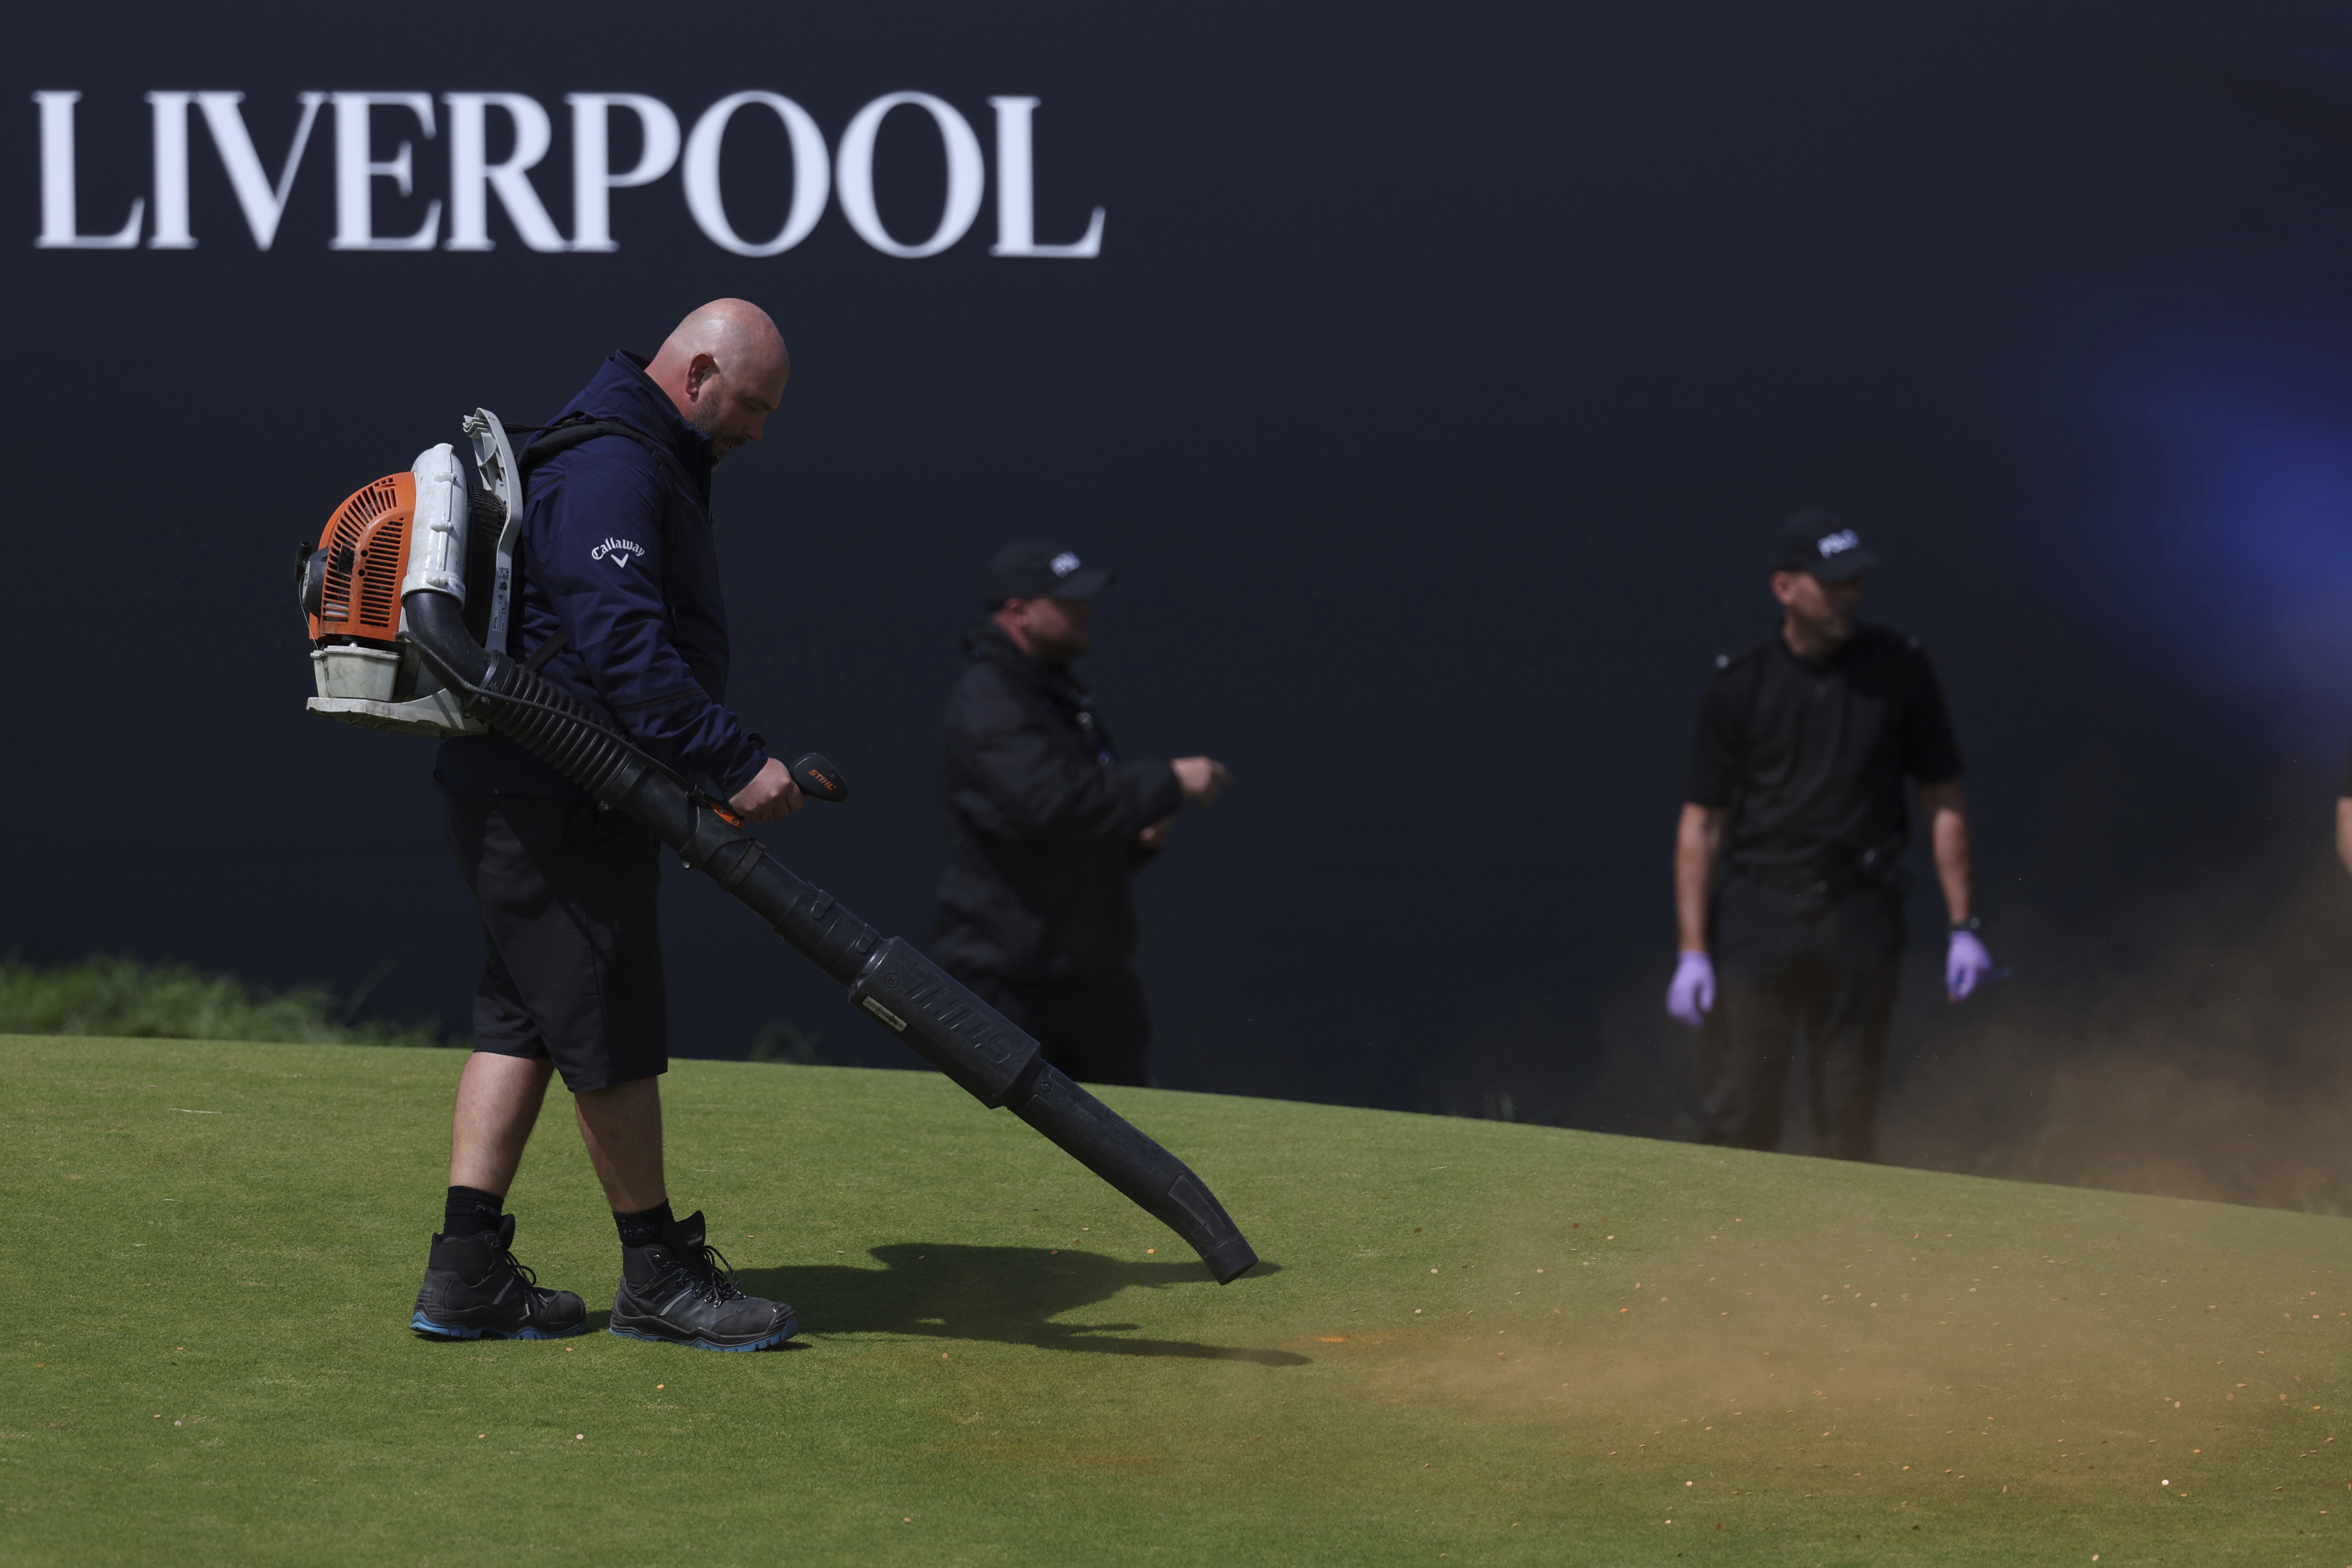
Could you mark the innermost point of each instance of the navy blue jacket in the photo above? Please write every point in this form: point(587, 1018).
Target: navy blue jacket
point(618, 555)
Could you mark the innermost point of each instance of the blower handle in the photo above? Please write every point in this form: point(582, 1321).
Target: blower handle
point(819, 779)
point(815, 777)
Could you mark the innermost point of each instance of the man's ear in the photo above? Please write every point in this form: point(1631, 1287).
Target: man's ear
point(699, 371)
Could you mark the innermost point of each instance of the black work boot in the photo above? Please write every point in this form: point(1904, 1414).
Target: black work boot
point(681, 1291)
point(474, 1290)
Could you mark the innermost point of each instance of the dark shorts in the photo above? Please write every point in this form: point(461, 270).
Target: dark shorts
point(1097, 1031)
point(573, 972)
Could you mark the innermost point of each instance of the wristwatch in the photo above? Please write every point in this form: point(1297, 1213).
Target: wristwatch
point(1970, 924)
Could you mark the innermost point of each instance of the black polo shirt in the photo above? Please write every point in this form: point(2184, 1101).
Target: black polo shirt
point(1808, 756)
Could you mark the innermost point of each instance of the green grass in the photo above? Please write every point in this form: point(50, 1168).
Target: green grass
point(1475, 1344)
point(122, 997)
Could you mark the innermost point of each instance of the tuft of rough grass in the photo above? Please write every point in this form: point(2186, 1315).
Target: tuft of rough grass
point(125, 999)
point(1472, 1343)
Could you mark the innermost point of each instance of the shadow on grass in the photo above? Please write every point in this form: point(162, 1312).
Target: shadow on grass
point(1010, 1294)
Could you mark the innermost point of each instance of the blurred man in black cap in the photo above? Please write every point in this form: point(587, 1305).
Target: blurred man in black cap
point(1788, 886)
point(1045, 824)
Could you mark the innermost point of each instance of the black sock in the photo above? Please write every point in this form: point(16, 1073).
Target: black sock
point(644, 1228)
point(471, 1211)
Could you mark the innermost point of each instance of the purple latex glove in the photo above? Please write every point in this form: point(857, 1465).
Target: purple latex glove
point(1966, 965)
point(1691, 997)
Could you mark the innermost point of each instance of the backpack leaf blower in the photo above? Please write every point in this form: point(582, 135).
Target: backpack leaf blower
point(408, 595)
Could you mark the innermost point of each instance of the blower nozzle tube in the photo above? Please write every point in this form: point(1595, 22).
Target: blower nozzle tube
point(899, 988)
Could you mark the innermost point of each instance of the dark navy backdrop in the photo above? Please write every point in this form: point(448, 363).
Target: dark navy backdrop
point(1442, 371)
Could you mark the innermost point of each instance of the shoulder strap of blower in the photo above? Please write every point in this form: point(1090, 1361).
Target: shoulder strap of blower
point(578, 429)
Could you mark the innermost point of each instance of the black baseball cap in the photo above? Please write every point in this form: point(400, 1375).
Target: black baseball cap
point(1820, 542)
point(1040, 569)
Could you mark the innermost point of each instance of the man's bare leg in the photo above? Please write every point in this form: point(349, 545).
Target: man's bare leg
point(671, 1288)
point(498, 1105)
point(621, 1126)
point(472, 1289)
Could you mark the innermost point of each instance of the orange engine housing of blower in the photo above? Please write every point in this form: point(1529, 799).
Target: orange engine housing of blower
point(366, 547)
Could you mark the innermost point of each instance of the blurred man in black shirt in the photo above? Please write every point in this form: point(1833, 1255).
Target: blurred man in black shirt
point(1047, 825)
point(1788, 884)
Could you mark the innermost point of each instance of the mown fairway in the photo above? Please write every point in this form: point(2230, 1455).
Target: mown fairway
point(1473, 1343)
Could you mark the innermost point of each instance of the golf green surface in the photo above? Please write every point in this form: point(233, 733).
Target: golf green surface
point(1470, 1343)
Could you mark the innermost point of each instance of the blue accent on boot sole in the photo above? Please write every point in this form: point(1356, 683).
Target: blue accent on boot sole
point(425, 1325)
point(792, 1327)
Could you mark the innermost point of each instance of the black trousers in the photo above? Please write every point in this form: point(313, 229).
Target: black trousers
point(1785, 962)
point(571, 924)
point(1098, 1030)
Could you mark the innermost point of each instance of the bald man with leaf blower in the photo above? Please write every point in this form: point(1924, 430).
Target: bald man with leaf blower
point(1788, 883)
point(618, 605)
